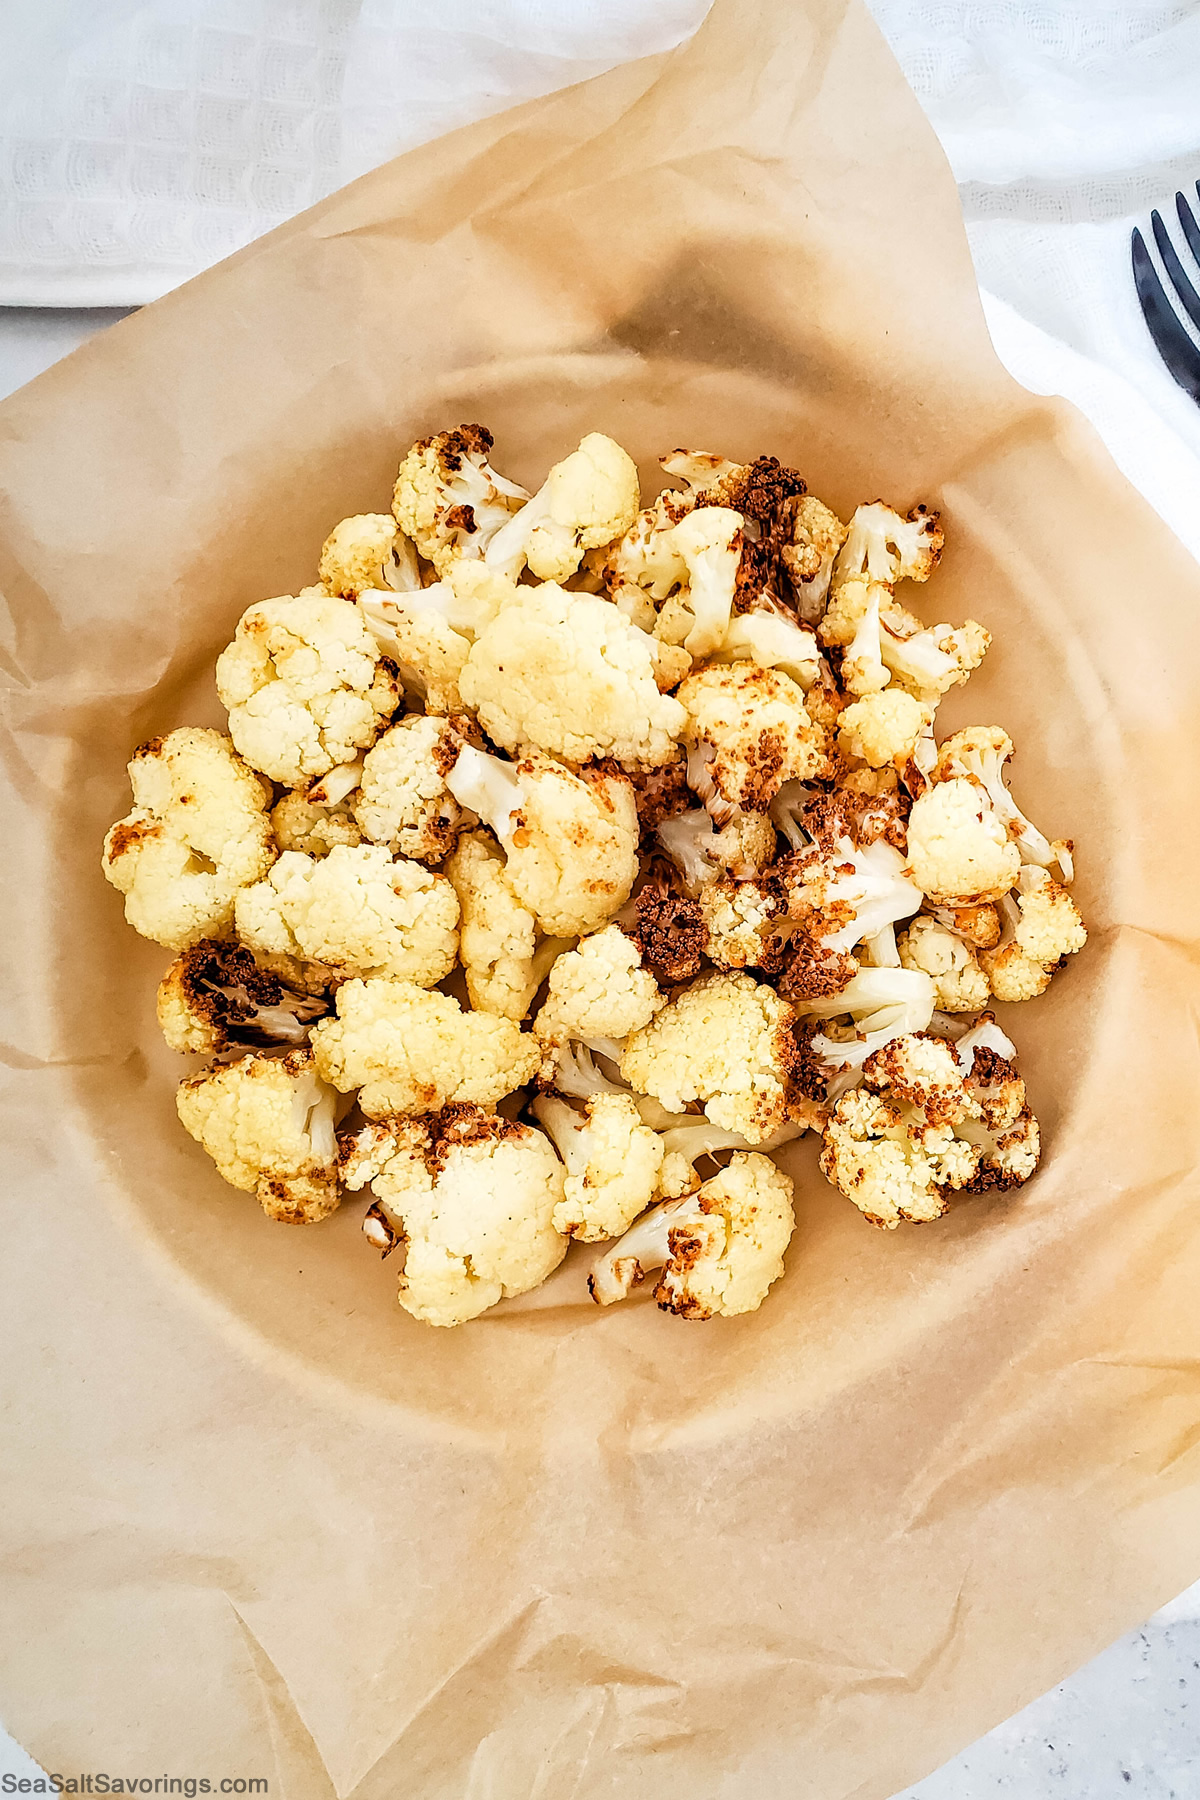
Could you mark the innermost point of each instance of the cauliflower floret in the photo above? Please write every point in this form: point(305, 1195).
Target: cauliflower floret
point(403, 800)
point(886, 548)
point(501, 958)
point(863, 669)
point(747, 733)
point(599, 990)
point(772, 641)
point(726, 1041)
point(268, 1124)
point(978, 925)
point(701, 853)
point(980, 752)
point(816, 536)
point(587, 500)
point(366, 551)
point(355, 911)
point(1012, 975)
point(568, 674)
point(709, 541)
point(612, 1162)
point(215, 995)
point(570, 840)
point(959, 984)
point(300, 824)
point(844, 896)
point(958, 850)
point(720, 1249)
point(881, 728)
point(449, 499)
point(1050, 925)
point(881, 1004)
point(870, 1156)
point(411, 1050)
point(197, 833)
point(646, 565)
point(472, 1198)
point(737, 916)
point(1000, 1124)
point(933, 660)
point(305, 686)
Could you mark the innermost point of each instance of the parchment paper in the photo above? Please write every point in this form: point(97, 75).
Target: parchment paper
point(255, 1520)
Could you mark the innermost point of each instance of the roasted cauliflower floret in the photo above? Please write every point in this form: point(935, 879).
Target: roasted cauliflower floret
point(871, 1157)
point(570, 840)
point(268, 1124)
point(725, 1041)
point(980, 753)
point(198, 832)
point(747, 733)
point(305, 686)
point(449, 499)
point(886, 548)
point(668, 931)
point(403, 801)
point(471, 1198)
point(214, 995)
point(959, 984)
point(612, 1162)
point(298, 823)
point(934, 659)
point(599, 990)
point(587, 500)
point(701, 853)
point(719, 1249)
point(737, 919)
point(773, 642)
point(568, 674)
point(1041, 926)
point(503, 957)
point(356, 912)
point(881, 728)
point(414, 1051)
point(365, 551)
point(816, 535)
point(708, 541)
point(958, 850)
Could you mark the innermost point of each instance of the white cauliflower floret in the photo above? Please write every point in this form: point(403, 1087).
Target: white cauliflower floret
point(305, 686)
point(449, 499)
point(570, 840)
point(958, 850)
point(737, 917)
point(863, 668)
point(599, 990)
point(701, 853)
point(403, 800)
point(356, 912)
point(881, 1004)
point(687, 1143)
point(881, 728)
point(817, 534)
point(720, 1249)
point(503, 960)
point(747, 733)
point(472, 1199)
point(587, 500)
point(645, 565)
point(568, 674)
point(886, 548)
point(411, 1050)
point(921, 1129)
point(215, 995)
point(726, 1041)
point(197, 833)
point(1041, 926)
point(772, 641)
point(268, 1124)
point(709, 542)
point(959, 984)
point(846, 895)
point(612, 1162)
point(366, 551)
point(932, 660)
point(299, 824)
point(428, 653)
point(980, 752)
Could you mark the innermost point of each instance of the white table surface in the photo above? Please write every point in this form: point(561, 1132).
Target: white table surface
point(1126, 1727)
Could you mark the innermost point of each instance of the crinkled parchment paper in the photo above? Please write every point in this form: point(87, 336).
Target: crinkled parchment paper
point(256, 1520)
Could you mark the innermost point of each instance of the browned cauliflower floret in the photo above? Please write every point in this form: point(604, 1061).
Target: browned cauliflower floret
point(747, 733)
point(268, 1124)
point(402, 800)
point(449, 499)
point(215, 995)
point(1041, 927)
point(959, 983)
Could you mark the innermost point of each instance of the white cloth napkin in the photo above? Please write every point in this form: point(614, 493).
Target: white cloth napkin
point(142, 140)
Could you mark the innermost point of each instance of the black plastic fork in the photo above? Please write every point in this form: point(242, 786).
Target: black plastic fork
point(1170, 339)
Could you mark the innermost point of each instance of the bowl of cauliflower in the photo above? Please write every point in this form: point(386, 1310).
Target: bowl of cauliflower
point(567, 853)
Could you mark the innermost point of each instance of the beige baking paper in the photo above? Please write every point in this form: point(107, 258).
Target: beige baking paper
point(255, 1520)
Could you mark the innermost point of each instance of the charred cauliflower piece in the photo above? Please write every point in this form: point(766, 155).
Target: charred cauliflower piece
point(470, 1198)
point(448, 498)
point(268, 1124)
point(198, 833)
point(403, 801)
point(719, 1249)
point(215, 995)
point(747, 733)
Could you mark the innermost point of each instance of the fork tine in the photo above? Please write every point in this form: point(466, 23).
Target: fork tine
point(1171, 340)
point(1189, 299)
point(1187, 221)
